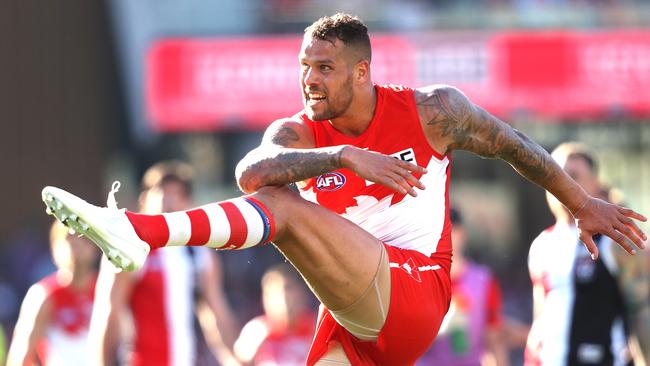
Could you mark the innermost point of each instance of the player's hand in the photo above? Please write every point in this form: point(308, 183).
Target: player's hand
point(383, 169)
point(600, 217)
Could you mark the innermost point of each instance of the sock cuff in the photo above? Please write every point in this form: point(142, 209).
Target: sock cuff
point(267, 218)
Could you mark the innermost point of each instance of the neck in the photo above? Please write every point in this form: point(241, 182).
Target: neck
point(359, 115)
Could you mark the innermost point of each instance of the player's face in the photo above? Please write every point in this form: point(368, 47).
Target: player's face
point(169, 197)
point(325, 78)
point(84, 253)
point(578, 169)
point(284, 299)
point(74, 252)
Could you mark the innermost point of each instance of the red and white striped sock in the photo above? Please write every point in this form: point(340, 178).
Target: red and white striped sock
point(234, 224)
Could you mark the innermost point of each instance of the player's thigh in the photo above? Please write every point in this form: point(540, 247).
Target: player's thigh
point(366, 317)
point(336, 257)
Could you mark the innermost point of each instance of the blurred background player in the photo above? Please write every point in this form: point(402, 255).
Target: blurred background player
point(585, 309)
point(472, 331)
point(52, 328)
point(283, 334)
point(161, 297)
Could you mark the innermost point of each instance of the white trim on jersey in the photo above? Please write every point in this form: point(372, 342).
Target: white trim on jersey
point(413, 223)
point(420, 269)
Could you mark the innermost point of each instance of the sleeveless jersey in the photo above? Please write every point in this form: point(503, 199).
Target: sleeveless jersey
point(420, 223)
point(575, 290)
point(65, 341)
point(162, 306)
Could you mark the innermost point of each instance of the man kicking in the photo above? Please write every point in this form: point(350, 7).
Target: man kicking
point(371, 242)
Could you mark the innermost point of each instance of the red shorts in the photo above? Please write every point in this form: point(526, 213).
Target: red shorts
point(419, 300)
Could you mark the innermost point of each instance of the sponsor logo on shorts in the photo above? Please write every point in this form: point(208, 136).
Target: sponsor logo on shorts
point(330, 181)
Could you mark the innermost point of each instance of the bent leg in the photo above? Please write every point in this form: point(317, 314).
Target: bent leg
point(345, 266)
point(340, 261)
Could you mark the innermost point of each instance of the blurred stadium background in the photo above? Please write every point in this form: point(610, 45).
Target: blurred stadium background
point(92, 91)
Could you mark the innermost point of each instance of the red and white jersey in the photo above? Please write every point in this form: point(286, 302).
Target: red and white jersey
point(66, 336)
point(162, 306)
point(570, 291)
point(420, 223)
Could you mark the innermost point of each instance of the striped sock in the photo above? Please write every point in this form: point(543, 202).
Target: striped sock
point(234, 224)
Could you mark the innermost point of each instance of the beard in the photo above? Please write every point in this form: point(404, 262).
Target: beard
point(334, 105)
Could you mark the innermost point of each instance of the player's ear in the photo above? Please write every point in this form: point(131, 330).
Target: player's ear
point(362, 71)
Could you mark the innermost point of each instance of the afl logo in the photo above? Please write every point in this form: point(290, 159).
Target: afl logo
point(330, 181)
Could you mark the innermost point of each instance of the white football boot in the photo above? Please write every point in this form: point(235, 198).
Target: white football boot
point(108, 227)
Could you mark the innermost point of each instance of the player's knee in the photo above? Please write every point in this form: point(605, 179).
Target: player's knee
point(279, 198)
point(280, 193)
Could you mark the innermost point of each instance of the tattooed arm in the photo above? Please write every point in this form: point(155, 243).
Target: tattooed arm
point(288, 154)
point(451, 121)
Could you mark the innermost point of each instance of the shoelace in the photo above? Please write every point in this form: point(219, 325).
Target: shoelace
point(110, 201)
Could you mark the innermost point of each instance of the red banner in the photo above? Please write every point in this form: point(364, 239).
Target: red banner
point(211, 84)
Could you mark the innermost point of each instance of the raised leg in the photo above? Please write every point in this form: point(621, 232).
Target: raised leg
point(345, 266)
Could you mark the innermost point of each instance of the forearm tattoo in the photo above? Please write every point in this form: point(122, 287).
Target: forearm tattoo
point(296, 165)
point(284, 164)
point(454, 117)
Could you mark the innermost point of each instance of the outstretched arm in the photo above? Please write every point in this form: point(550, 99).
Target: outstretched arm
point(451, 121)
point(288, 155)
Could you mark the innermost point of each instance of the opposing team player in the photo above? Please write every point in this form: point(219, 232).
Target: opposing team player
point(372, 243)
point(585, 310)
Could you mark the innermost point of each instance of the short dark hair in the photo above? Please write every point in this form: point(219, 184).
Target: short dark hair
point(348, 28)
point(167, 172)
point(575, 150)
point(587, 159)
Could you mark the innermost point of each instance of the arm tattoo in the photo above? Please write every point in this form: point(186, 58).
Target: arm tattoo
point(453, 117)
point(284, 136)
point(284, 160)
point(294, 165)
